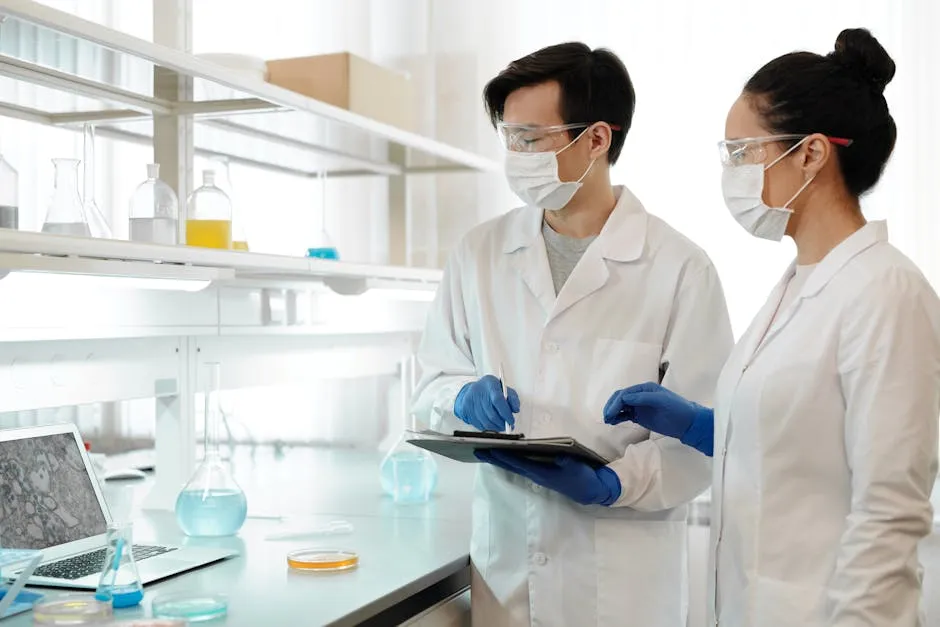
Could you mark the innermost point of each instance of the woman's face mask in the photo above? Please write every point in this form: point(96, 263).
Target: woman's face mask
point(742, 186)
point(533, 177)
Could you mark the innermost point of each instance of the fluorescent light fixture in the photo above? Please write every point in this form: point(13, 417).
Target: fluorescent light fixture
point(60, 281)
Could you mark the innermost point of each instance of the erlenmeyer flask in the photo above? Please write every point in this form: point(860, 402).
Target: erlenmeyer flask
point(211, 503)
point(322, 246)
point(209, 223)
point(65, 215)
point(9, 196)
point(223, 180)
point(97, 224)
point(120, 583)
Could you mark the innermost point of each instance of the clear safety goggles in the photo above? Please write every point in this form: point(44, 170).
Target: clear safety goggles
point(751, 150)
point(531, 138)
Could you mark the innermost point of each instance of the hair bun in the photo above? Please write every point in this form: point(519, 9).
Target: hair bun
point(859, 52)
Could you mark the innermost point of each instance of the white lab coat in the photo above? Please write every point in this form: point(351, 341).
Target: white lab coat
point(642, 295)
point(826, 448)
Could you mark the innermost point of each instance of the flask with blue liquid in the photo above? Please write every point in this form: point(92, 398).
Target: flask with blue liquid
point(212, 504)
point(120, 583)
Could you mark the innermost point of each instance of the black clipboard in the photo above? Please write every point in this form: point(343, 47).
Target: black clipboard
point(462, 445)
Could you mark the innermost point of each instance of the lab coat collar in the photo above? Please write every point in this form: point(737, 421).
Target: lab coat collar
point(863, 239)
point(622, 238)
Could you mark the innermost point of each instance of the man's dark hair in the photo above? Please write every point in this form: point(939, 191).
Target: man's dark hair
point(595, 87)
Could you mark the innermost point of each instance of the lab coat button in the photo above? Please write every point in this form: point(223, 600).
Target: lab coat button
point(540, 558)
point(551, 347)
point(545, 418)
point(536, 488)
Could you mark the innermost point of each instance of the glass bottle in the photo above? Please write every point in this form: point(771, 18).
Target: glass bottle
point(120, 583)
point(97, 224)
point(211, 503)
point(9, 196)
point(154, 210)
point(209, 223)
point(322, 246)
point(65, 215)
point(223, 180)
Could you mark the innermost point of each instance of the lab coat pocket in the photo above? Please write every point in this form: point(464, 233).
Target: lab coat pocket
point(785, 604)
point(618, 364)
point(641, 572)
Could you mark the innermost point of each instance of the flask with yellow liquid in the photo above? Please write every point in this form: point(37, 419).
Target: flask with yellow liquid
point(223, 180)
point(209, 224)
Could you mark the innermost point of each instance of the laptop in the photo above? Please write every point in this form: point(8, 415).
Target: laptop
point(50, 500)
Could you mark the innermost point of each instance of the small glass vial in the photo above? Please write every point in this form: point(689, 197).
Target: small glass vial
point(211, 503)
point(209, 224)
point(154, 211)
point(66, 215)
point(120, 583)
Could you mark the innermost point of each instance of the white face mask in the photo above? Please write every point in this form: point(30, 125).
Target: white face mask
point(533, 177)
point(743, 189)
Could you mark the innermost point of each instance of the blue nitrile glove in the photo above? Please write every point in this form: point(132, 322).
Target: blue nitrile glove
point(567, 475)
point(481, 404)
point(653, 407)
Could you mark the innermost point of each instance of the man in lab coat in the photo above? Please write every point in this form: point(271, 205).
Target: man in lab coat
point(573, 296)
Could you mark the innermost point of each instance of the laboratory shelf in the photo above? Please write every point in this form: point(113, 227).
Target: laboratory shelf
point(39, 252)
point(80, 71)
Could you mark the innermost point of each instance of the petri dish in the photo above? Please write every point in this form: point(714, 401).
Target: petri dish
point(322, 560)
point(71, 611)
point(149, 622)
point(194, 608)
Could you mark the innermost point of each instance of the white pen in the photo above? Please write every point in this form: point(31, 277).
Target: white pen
point(502, 386)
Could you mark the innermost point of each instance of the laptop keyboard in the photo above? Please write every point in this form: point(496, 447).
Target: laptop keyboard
point(91, 563)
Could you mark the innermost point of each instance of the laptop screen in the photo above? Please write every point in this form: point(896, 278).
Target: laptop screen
point(46, 494)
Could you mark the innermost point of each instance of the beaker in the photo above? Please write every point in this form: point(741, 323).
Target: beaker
point(9, 196)
point(322, 246)
point(65, 215)
point(408, 473)
point(154, 210)
point(97, 224)
point(223, 180)
point(120, 583)
point(211, 503)
point(209, 223)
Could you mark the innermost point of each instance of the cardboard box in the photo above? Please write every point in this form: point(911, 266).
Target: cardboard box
point(352, 83)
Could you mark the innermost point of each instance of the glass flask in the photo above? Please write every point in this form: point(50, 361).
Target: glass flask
point(209, 223)
point(154, 210)
point(97, 224)
point(65, 215)
point(322, 246)
point(9, 196)
point(211, 503)
point(120, 583)
point(408, 474)
point(223, 180)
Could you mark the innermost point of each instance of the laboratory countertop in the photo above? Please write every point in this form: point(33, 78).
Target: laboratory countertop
point(403, 549)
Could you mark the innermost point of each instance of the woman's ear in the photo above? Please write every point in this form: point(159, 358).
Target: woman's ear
point(815, 154)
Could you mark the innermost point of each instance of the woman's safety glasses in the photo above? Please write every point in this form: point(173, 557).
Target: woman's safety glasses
point(530, 138)
point(751, 150)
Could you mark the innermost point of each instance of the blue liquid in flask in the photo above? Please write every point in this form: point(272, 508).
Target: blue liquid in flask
point(409, 476)
point(121, 596)
point(211, 512)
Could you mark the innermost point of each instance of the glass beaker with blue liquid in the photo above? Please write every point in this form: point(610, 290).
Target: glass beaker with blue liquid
point(212, 504)
point(408, 473)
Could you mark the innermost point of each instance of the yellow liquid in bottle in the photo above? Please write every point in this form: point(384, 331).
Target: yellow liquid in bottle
point(209, 233)
point(243, 246)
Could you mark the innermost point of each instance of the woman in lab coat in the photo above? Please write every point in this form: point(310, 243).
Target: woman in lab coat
point(825, 421)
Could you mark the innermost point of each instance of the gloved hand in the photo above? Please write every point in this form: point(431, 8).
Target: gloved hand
point(481, 404)
point(655, 408)
point(567, 475)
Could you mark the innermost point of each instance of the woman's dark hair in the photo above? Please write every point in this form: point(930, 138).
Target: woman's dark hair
point(595, 87)
point(839, 95)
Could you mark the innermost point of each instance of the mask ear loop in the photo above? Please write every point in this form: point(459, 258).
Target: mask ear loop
point(570, 144)
point(786, 205)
